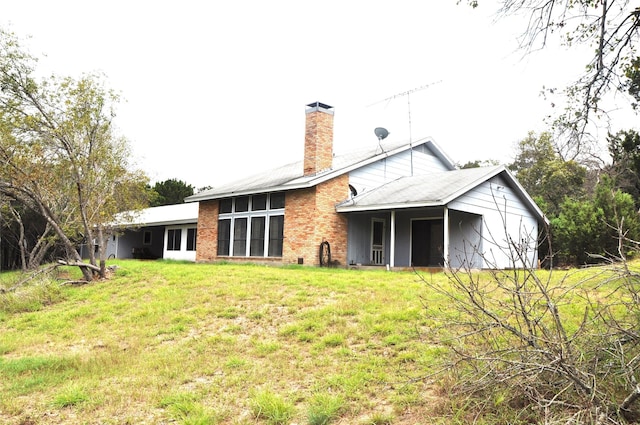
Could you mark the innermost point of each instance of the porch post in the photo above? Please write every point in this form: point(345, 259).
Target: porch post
point(445, 250)
point(392, 248)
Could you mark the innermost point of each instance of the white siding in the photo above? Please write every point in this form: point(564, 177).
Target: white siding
point(182, 254)
point(506, 221)
point(388, 169)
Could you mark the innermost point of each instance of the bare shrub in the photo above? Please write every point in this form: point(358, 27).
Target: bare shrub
point(544, 346)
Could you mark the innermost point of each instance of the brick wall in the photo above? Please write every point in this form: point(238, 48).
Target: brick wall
point(207, 243)
point(310, 218)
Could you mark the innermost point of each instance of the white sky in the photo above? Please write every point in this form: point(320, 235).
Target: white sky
point(217, 89)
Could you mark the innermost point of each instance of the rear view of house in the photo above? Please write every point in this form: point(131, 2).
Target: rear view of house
point(397, 205)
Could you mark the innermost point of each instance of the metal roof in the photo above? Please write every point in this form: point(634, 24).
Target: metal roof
point(433, 189)
point(165, 215)
point(291, 176)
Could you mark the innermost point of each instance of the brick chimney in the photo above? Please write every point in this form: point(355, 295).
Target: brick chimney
point(318, 138)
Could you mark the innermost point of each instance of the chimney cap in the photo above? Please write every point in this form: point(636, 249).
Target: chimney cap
point(318, 105)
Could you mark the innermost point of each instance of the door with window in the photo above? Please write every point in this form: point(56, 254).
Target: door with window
point(377, 242)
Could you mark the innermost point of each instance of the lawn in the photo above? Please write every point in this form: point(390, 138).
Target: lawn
point(168, 342)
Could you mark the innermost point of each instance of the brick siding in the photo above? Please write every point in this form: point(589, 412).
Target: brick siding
point(207, 243)
point(310, 218)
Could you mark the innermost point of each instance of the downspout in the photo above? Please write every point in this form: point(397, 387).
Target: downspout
point(445, 242)
point(392, 248)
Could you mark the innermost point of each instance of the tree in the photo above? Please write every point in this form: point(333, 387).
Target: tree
point(26, 238)
point(59, 155)
point(479, 163)
point(545, 175)
point(170, 192)
point(610, 28)
point(624, 148)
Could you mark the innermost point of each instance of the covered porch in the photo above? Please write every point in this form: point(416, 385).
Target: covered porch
point(414, 237)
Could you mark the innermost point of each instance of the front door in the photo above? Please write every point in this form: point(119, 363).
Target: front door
point(426, 243)
point(377, 242)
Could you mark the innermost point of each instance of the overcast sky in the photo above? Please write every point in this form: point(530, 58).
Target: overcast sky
point(217, 89)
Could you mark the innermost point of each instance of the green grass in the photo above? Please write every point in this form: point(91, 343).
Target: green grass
point(271, 407)
point(171, 342)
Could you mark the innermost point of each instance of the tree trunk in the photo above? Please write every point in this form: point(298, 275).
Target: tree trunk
point(102, 252)
point(70, 247)
point(21, 243)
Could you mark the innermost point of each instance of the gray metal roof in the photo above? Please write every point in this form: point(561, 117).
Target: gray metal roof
point(291, 176)
point(433, 189)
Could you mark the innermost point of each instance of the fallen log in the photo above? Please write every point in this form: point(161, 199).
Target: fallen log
point(28, 278)
point(79, 264)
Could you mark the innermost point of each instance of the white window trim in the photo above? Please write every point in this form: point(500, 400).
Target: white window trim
point(267, 214)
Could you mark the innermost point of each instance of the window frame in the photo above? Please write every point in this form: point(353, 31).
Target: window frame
point(251, 217)
point(171, 241)
point(147, 237)
point(192, 239)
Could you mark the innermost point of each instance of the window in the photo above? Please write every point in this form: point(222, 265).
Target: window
point(276, 233)
point(256, 249)
point(242, 204)
point(277, 201)
point(191, 239)
point(240, 236)
point(226, 206)
point(252, 226)
point(146, 237)
point(224, 236)
point(174, 237)
point(259, 203)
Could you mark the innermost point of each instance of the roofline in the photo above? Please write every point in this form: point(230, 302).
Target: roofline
point(314, 181)
point(281, 188)
point(526, 196)
point(382, 207)
point(158, 223)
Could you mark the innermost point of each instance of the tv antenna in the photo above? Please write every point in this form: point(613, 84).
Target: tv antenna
point(408, 95)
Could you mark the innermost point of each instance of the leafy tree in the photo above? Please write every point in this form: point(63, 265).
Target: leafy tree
point(586, 231)
point(624, 148)
point(59, 155)
point(169, 192)
point(545, 176)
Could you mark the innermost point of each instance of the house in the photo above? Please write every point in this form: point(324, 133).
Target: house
point(395, 205)
point(168, 231)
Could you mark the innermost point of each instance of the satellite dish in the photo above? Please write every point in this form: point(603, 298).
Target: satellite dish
point(381, 133)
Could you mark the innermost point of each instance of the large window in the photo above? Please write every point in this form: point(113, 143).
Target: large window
point(224, 237)
point(174, 237)
point(251, 226)
point(276, 235)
